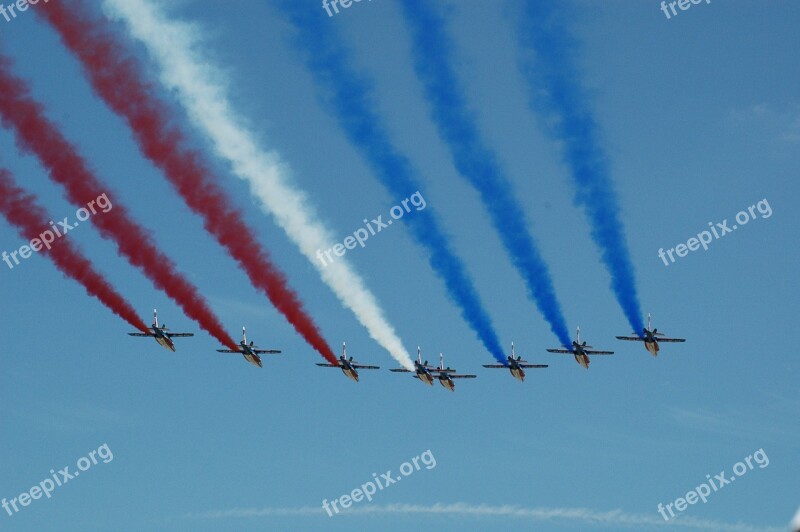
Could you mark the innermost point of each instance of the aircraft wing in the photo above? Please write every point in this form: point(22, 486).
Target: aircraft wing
point(563, 351)
point(180, 335)
point(534, 365)
point(267, 351)
point(462, 376)
point(326, 365)
point(671, 340)
point(362, 366)
point(142, 335)
point(593, 352)
point(401, 370)
point(494, 366)
point(631, 338)
point(228, 351)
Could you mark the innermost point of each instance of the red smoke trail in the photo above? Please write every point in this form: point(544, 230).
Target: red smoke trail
point(34, 133)
point(117, 78)
point(21, 210)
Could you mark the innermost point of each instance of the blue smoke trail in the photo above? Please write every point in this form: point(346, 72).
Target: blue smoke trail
point(348, 94)
point(549, 65)
point(432, 54)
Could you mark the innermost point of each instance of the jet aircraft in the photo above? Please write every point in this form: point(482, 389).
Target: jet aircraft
point(580, 351)
point(446, 375)
point(348, 366)
point(516, 365)
point(421, 371)
point(651, 338)
point(250, 351)
point(161, 334)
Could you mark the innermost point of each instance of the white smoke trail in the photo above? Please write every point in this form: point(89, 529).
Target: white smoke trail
point(175, 47)
point(602, 519)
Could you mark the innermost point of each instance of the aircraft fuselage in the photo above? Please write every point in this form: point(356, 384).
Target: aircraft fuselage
point(517, 372)
point(652, 347)
point(251, 356)
point(651, 342)
point(582, 358)
point(163, 340)
point(425, 377)
point(350, 372)
point(254, 359)
point(447, 382)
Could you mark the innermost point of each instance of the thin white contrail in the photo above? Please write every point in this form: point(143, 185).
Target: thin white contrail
point(201, 89)
point(615, 518)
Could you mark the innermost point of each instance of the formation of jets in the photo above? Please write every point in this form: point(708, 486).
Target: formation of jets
point(423, 371)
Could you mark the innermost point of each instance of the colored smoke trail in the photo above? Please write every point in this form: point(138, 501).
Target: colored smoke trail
point(35, 134)
point(550, 67)
point(433, 60)
point(349, 96)
point(117, 78)
point(175, 48)
point(30, 219)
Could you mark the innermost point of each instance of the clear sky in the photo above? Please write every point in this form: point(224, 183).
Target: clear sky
point(700, 119)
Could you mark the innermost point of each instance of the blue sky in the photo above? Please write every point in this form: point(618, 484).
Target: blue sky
point(700, 119)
